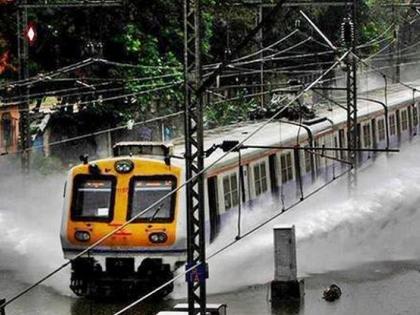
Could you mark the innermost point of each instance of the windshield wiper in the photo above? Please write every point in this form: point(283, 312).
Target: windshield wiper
point(155, 213)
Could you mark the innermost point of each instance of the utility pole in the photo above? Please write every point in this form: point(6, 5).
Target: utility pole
point(24, 124)
point(350, 41)
point(194, 157)
point(261, 46)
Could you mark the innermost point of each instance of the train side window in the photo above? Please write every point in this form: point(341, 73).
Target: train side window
point(381, 129)
point(93, 198)
point(230, 190)
point(404, 120)
point(286, 167)
point(366, 136)
point(415, 118)
point(147, 190)
point(260, 178)
point(392, 125)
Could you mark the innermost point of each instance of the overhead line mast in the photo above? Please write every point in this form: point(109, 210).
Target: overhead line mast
point(194, 157)
point(349, 37)
point(194, 87)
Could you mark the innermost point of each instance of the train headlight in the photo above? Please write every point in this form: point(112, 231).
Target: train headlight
point(158, 238)
point(124, 166)
point(82, 236)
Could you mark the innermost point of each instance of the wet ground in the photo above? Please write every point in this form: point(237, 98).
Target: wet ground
point(372, 289)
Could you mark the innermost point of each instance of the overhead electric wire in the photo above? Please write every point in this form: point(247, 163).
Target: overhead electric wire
point(112, 98)
point(381, 50)
point(219, 159)
point(104, 91)
point(267, 48)
point(129, 65)
point(215, 65)
point(84, 63)
point(97, 133)
point(186, 182)
point(47, 75)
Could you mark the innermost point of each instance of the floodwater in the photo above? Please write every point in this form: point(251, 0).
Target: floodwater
point(376, 289)
point(365, 241)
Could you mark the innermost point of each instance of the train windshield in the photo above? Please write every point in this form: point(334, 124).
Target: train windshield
point(145, 192)
point(93, 198)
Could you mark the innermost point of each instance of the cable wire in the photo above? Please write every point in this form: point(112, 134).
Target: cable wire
point(102, 239)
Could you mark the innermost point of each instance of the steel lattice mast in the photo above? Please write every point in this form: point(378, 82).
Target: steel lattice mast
point(349, 37)
point(194, 156)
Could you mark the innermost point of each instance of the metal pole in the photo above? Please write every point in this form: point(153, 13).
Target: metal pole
point(261, 44)
point(2, 310)
point(194, 157)
point(23, 47)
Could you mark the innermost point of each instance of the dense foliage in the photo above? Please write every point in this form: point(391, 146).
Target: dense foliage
point(150, 34)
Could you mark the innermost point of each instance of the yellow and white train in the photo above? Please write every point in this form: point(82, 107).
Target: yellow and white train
point(102, 195)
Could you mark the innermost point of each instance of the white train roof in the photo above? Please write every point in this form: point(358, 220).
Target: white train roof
point(275, 133)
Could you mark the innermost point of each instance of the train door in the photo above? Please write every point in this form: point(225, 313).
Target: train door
point(410, 120)
point(342, 143)
point(272, 161)
point(213, 196)
point(246, 183)
point(398, 119)
point(374, 142)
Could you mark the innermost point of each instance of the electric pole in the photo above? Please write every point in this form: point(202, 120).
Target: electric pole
point(194, 157)
point(261, 46)
point(24, 124)
point(350, 41)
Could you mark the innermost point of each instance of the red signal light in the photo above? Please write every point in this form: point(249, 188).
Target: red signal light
point(30, 33)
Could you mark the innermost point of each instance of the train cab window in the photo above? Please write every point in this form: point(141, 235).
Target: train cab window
point(260, 178)
point(404, 120)
point(381, 129)
point(366, 136)
point(93, 198)
point(286, 167)
point(392, 125)
point(230, 191)
point(144, 192)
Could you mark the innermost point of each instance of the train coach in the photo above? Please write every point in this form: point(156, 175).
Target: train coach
point(103, 195)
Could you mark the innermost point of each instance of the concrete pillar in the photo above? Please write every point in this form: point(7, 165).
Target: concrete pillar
point(285, 285)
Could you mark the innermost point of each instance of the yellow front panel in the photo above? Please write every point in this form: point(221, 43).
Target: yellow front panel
point(135, 234)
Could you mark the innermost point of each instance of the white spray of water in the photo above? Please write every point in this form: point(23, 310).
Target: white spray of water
point(336, 231)
point(30, 216)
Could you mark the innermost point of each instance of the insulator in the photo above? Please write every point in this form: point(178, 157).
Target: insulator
point(347, 32)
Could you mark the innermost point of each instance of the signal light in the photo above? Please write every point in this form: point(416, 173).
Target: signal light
point(30, 33)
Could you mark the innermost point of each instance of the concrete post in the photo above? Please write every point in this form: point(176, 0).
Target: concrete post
point(285, 285)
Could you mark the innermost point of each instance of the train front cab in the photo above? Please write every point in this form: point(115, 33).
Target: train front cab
point(142, 255)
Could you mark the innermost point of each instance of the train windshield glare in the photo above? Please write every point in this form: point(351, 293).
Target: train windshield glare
point(145, 192)
point(93, 198)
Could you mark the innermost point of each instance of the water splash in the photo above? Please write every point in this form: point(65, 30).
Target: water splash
point(337, 230)
point(30, 216)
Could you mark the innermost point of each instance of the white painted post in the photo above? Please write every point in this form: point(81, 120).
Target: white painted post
point(285, 285)
point(285, 254)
